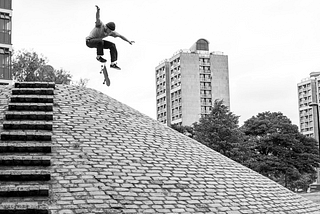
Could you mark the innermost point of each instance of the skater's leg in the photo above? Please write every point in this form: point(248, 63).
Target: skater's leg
point(98, 44)
point(113, 53)
point(113, 50)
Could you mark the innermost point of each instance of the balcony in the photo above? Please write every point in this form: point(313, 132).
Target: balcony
point(206, 103)
point(202, 71)
point(205, 79)
point(204, 63)
point(205, 96)
point(205, 87)
point(176, 105)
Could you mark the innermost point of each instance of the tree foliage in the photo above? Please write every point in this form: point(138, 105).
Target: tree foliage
point(81, 83)
point(219, 130)
point(29, 66)
point(280, 152)
point(186, 130)
point(267, 143)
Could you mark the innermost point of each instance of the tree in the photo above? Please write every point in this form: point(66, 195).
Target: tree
point(61, 77)
point(29, 66)
point(219, 130)
point(186, 130)
point(81, 83)
point(280, 152)
point(302, 184)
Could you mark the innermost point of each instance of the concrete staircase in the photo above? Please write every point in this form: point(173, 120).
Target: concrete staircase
point(25, 148)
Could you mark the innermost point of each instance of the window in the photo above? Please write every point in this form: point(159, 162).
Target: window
point(5, 4)
point(5, 64)
point(203, 45)
point(5, 28)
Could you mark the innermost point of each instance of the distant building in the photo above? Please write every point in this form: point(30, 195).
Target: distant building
point(188, 83)
point(308, 94)
point(5, 41)
point(309, 100)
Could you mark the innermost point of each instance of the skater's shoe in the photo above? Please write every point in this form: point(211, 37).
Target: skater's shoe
point(115, 66)
point(100, 59)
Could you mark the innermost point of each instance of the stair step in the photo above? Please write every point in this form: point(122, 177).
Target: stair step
point(23, 208)
point(24, 190)
point(25, 147)
point(29, 91)
point(28, 115)
point(26, 135)
point(30, 106)
point(34, 85)
point(25, 175)
point(28, 125)
point(31, 99)
point(25, 160)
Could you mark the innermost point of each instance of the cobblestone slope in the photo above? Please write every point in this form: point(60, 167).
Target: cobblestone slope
point(108, 158)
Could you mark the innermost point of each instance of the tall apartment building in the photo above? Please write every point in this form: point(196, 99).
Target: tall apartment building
point(5, 41)
point(188, 83)
point(308, 93)
point(309, 103)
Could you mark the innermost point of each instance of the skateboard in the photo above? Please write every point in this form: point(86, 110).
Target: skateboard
point(105, 74)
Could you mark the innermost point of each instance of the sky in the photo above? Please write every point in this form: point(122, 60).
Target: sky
point(271, 45)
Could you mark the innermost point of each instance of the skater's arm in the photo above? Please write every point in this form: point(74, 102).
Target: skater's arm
point(115, 34)
point(125, 39)
point(98, 21)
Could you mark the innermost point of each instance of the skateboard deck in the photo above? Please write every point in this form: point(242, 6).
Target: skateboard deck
point(105, 74)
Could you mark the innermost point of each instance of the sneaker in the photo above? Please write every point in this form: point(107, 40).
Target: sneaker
point(100, 59)
point(115, 66)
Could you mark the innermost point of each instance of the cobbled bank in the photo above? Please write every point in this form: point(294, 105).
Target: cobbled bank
point(109, 158)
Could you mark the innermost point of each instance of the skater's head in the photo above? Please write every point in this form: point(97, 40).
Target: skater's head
point(111, 26)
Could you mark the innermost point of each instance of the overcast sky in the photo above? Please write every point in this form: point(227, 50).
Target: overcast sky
point(271, 45)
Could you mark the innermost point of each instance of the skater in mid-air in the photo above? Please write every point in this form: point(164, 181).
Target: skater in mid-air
point(95, 40)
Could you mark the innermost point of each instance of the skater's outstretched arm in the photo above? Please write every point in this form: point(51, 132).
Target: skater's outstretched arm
point(98, 21)
point(116, 34)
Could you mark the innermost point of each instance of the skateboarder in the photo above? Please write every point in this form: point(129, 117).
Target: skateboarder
point(95, 40)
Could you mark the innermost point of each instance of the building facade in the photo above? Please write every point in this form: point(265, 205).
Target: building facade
point(309, 117)
point(188, 83)
point(308, 94)
point(5, 41)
